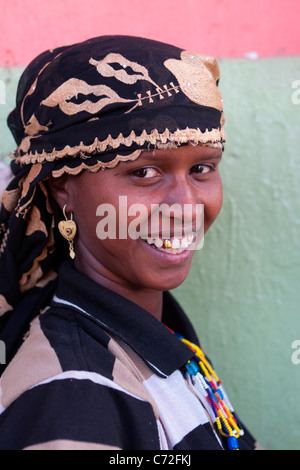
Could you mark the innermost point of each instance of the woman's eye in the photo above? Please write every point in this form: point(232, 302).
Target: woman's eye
point(201, 169)
point(145, 172)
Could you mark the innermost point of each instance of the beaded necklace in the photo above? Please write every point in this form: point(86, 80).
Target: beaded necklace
point(210, 391)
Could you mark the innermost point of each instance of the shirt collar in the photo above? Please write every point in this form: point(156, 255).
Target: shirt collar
point(147, 336)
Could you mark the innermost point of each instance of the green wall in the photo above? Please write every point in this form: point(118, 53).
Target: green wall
point(243, 291)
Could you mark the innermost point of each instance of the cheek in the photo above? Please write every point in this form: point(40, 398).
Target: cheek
point(89, 205)
point(213, 203)
point(85, 217)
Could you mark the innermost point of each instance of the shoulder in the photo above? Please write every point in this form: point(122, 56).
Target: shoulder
point(34, 362)
point(69, 387)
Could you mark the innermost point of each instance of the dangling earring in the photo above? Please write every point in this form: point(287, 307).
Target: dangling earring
point(68, 230)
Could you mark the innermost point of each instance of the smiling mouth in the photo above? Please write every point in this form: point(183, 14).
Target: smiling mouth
point(173, 245)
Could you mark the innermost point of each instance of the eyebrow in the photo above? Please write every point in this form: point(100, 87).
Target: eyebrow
point(152, 158)
point(149, 155)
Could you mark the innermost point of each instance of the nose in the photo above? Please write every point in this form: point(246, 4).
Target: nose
point(183, 205)
point(182, 192)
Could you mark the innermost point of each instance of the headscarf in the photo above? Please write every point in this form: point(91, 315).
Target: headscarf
point(89, 106)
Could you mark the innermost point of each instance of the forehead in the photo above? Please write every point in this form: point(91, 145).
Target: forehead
point(180, 154)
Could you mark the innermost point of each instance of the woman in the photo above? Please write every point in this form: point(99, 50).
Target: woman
point(109, 360)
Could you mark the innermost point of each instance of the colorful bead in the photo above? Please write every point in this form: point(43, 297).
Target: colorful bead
point(210, 386)
point(192, 368)
point(232, 443)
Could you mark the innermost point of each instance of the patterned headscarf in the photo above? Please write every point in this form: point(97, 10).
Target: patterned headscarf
point(89, 106)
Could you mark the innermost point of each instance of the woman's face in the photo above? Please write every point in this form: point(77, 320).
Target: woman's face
point(183, 176)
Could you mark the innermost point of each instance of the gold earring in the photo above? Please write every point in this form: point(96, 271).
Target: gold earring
point(68, 230)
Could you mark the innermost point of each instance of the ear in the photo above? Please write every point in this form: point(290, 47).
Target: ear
point(59, 189)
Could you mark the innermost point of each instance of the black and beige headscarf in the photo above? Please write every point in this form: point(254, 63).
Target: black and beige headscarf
point(89, 106)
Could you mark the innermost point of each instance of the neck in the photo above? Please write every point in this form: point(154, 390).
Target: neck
point(148, 299)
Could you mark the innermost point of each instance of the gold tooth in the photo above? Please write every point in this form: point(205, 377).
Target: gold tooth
point(167, 244)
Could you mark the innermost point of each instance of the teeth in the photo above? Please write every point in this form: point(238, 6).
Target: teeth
point(167, 244)
point(176, 243)
point(185, 243)
point(175, 246)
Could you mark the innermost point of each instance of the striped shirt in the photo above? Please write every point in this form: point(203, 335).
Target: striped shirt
point(96, 371)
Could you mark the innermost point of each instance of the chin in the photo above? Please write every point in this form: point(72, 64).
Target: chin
point(165, 283)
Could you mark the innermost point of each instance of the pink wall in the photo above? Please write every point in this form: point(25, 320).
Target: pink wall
point(225, 28)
